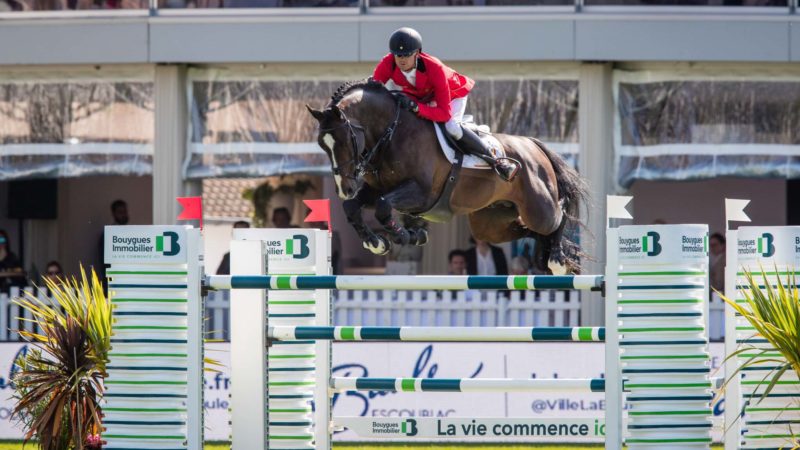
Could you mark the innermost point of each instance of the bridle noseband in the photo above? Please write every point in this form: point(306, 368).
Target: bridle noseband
point(363, 158)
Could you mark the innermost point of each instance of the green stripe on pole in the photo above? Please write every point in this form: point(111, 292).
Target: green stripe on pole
point(520, 282)
point(407, 385)
point(348, 333)
point(283, 282)
point(585, 334)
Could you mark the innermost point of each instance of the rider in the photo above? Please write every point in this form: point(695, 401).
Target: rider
point(441, 93)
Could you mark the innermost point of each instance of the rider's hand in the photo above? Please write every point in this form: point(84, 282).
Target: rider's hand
point(407, 103)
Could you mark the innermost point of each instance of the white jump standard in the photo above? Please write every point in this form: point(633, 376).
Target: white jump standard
point(656, 294)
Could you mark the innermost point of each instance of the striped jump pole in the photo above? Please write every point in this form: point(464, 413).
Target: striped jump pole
point(440, 334)
point(338, 384)
point(406, 283)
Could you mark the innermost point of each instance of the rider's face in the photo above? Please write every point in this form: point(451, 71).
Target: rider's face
point(406, 63)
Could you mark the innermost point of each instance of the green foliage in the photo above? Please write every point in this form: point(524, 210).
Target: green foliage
point(59, 385)
point(774, 311)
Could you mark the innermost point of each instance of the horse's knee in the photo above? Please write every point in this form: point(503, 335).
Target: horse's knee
point(352, 208)
point(383, 210)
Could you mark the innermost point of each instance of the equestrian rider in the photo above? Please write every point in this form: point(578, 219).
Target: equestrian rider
point(440, 93)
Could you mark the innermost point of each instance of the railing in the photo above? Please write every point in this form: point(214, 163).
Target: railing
point(72, 8)
point(404, 308)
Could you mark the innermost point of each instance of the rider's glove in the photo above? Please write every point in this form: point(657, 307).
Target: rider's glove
point(407, 103)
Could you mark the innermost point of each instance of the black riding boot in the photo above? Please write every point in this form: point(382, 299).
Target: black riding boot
point(472, 144)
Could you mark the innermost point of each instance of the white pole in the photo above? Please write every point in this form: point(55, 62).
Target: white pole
point(249, 417)
point(733, 395)
point(613, 411)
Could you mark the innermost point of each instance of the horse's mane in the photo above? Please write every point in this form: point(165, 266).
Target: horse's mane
point(366, 84)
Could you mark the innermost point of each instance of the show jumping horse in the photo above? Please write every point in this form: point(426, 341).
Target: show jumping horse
point(385, 156)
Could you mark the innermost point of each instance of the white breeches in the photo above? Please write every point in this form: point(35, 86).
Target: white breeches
point(453, 126)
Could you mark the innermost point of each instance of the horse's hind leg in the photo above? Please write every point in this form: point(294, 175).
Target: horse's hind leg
point(496, 224)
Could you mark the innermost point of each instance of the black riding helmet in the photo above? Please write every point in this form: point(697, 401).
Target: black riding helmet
point(405, 41)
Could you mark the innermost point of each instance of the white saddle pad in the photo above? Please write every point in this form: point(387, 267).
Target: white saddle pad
point(470, 162)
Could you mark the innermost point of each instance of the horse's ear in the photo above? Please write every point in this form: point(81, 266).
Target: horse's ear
point(317, 114)
point(337, 113)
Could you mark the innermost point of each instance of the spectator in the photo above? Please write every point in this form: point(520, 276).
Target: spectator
point(281, 218)
point(520, 265)
point(11, 273)
point(53, 273)
point(224, 267)
point(486, 259)
point(716, 246)
point(457, 262)
point(119, 213)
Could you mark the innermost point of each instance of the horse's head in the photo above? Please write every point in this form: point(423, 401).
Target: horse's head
point(356, 110)
point(343, 142)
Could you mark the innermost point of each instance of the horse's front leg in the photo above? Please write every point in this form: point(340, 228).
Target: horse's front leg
point(353, 209)
point(409, 196)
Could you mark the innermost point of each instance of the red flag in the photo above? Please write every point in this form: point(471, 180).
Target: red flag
point(192, 209)
point(320, 211)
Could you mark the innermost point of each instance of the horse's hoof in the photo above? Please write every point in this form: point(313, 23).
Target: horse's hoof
point(378, 245)
point(557, 267)
point(420, 237)
point(402, 237)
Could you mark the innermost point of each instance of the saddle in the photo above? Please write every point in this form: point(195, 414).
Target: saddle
point(440, 211)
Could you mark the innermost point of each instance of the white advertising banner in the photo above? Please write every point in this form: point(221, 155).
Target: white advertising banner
point(440, 360)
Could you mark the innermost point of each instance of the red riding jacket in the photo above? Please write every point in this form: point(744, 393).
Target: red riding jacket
point(435, 82)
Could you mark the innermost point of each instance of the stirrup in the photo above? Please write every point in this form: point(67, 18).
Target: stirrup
point(513, 173)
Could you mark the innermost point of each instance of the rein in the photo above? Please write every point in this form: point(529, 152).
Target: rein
point(364, 157)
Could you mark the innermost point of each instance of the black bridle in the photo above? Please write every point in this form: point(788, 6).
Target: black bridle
point(362, 157)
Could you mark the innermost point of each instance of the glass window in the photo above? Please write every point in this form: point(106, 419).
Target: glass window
point(784, 3)
point(262, 128)
point(255, 3)
point(379, 3)
point(63, 5)
point(75, 128)
point(683, 129)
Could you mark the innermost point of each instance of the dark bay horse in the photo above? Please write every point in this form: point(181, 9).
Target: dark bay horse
point(384, 156)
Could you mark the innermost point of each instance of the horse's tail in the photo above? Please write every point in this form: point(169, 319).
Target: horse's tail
point(572, 193)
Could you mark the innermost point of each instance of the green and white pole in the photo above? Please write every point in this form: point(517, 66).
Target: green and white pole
point(343, 384)
point(440, 334)
point(403, 282)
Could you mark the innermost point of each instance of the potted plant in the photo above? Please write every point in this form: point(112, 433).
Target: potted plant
point(59, 383)
point(772, 307)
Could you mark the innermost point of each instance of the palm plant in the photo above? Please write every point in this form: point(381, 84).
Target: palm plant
point(773, 310)
point(59, 385)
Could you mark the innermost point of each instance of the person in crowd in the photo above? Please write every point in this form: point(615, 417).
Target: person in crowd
point(54, 272)
point(11, 273)
point(224, 267)
point(119, 215)
point(520, 265)
point(716, 247)
point(281, 218)
point(457, 262)
point(486, 259)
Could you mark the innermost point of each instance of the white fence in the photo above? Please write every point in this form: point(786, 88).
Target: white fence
point(406, 308)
